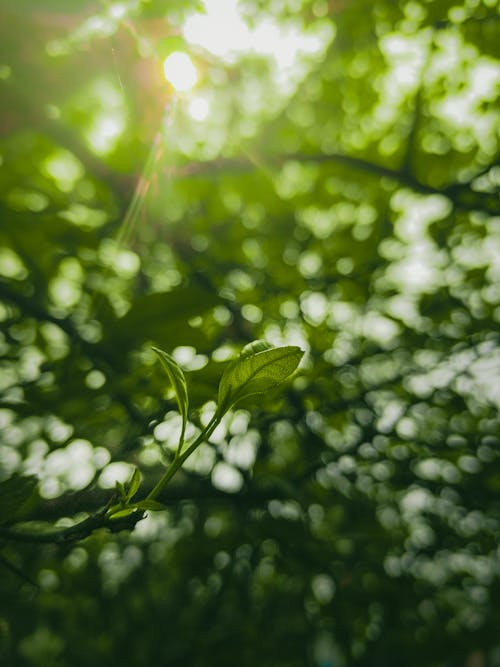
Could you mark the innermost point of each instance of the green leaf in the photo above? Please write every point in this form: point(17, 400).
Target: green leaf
point(134, 484)
point(121, 491)
point(127, 511)
point(153, 505)
point(15, 493)
point(176, 376)
point(254, 347)
point(257, 370)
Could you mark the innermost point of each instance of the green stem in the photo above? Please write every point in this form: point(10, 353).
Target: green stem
point(181, 440)
point(180, 458)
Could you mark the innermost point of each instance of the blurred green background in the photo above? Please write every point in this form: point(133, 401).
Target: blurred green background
point(323, 174)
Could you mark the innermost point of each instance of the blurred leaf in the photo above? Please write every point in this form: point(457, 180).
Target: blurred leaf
point(161, 316)
point(15, 492)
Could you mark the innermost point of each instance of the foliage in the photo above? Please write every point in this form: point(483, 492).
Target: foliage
point(339, 198)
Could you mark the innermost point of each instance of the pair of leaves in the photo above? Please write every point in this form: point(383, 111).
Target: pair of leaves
point(260, 367)
point(118, 512)
point(128, 491)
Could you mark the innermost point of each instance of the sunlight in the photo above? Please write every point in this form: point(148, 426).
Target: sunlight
point(222, 31)
point(180, 71)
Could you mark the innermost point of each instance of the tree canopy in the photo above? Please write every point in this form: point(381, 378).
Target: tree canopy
point(178, 180)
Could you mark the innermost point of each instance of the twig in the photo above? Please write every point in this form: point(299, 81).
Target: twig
point(75, 533)
point(17, 571)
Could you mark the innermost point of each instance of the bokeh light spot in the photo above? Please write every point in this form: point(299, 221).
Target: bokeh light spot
point(180, 71)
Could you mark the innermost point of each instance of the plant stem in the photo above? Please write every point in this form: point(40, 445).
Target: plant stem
point(180, 458)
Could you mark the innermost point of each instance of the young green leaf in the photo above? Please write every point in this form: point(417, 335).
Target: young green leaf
point(116, 512)
point(254, 347)
point(176, 376)
point(256, 371)
point(134, 484)
point(121, 491)
point(152, 505)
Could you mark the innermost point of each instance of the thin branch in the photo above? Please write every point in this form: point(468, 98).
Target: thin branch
point(470, 201)
point(477, 20)
point(71, 534)
point(407, 166)
point(17, 571)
